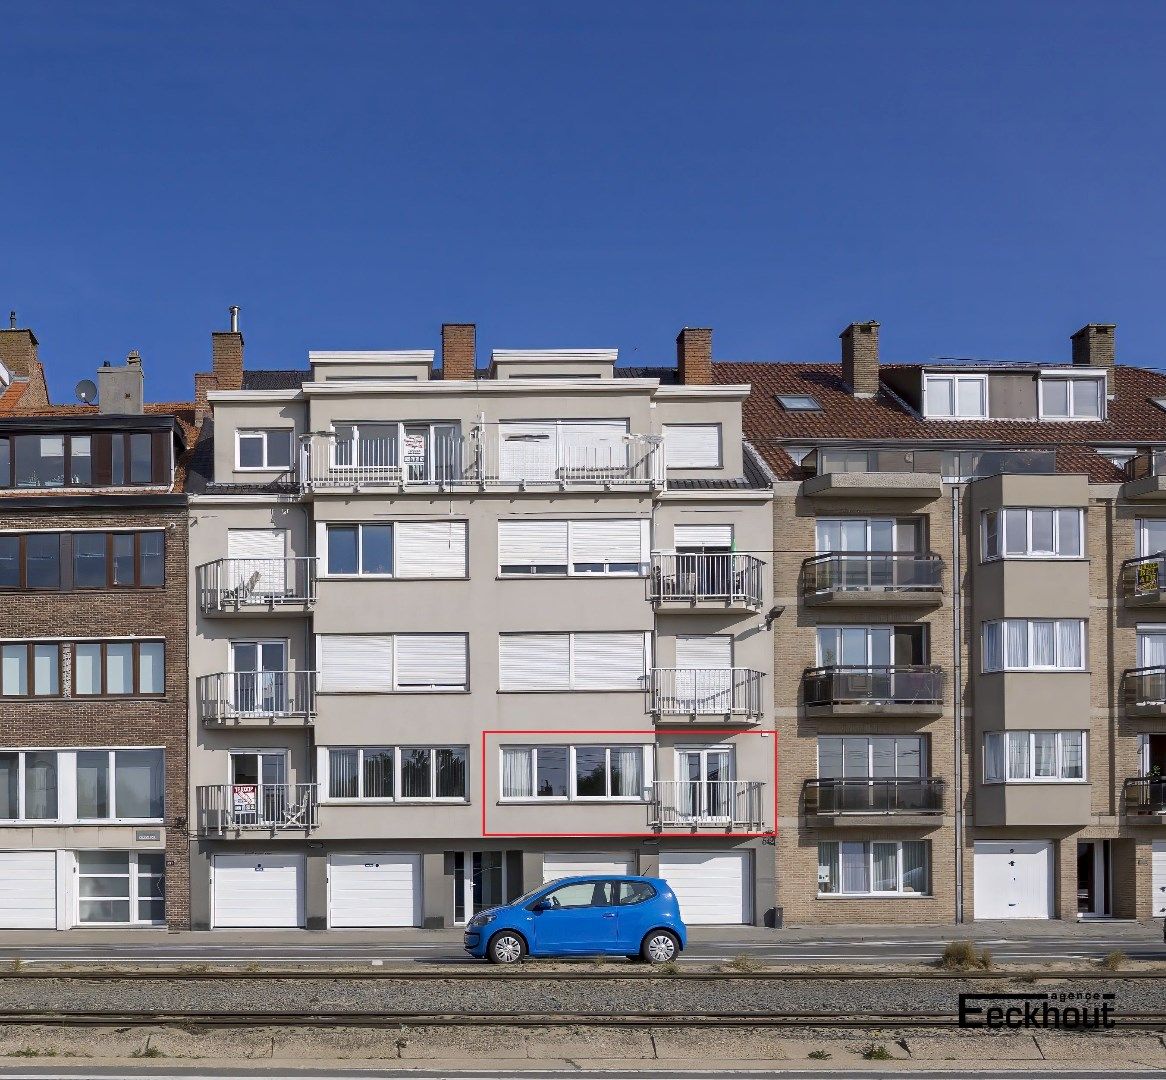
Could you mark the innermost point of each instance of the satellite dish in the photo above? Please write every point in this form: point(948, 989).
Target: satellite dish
point(86, 391)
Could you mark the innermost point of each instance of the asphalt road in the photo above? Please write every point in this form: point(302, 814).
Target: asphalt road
point(90, 1072)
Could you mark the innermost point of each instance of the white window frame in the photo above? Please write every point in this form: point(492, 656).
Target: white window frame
point(1002, 538)
point(924, 755)
point(134, 897)
point(1061, 376)
point(354, 444)
point(322, 547)
point(241, 433)
point(1031, 778)
point(572, 792)
point(1140, 539)
point(955, 380)
point(870, 629)
point(324, 771)
point(644, 560)
point(21, 793)
point(720, 464)
point(868, 846)
point(1005, 666)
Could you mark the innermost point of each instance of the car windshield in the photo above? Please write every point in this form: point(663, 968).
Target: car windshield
point(527, 896)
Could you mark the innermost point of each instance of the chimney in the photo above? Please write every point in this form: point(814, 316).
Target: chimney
point(18, 353)
point(860, 358)
point(121, 390)
point(1093, 345)
point(458, 351)
point(694, 356)
point(227, 354)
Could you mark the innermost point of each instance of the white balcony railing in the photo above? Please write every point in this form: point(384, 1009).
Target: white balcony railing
point(728, 804)
point(229, 696)
point(255, 584)
point(690, 691)
point(723, 577)
point(224, 808)
point(487, 458)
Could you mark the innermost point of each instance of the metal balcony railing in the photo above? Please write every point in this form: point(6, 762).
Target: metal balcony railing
point(1143, 687)
point(491, 458)
point(729, 804)
point(1146, 463)
point(250, 584)
point(872, 571)
point(224, 808)
point(1144, 796)
point(950, 464)
point(727, 577)
point(238, 695)
point(1145, 577)
point(915, 684)
point(875, 795)
point(693, 691)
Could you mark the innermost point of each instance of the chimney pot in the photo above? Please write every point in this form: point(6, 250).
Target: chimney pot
point(459, 358)
point(1093, 345)
point(694, 356)
point(12, 320)
point(860, 358)
point(234, 313)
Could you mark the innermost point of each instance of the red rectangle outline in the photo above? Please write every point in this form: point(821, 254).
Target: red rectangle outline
point(772, 834)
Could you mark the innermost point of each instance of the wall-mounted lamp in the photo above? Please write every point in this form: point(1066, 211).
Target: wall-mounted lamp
point(772, 614)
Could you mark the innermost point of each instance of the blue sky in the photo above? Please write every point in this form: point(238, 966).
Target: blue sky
point(981, 178)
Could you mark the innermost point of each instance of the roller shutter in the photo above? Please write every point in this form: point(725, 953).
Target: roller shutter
point(431, 549)
point(432, 660)
point(534, 661)
point(712, 537)
point(360, 663)
point(692, 446)
point(609, 661)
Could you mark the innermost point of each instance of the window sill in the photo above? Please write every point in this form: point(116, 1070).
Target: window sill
point(875, 896)
point(395, 802)
point(385, 577)
point(1037, 783)
point(1039, 671)
point(589, 690)
point(1036, 558)
point(386, 693)
point(559, 800)
point(56, 823)
point(624, 575)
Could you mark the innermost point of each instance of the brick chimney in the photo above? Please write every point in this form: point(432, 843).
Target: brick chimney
point(227, 355)
point(459, 358)
point(860, 358)
point(694, 356)
point(1093, 345)
point(18, 353)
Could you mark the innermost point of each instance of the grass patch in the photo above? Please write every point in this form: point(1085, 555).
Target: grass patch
point(741, 962)
point(32, 1051)
point(819, 1055)
point(1114, 961)
point(147, 1051)
point(873, 1052)
point(964, 956)
point(17, 964)
point(669, 968)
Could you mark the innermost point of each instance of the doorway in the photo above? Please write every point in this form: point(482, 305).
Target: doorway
point(1094, 886)
point(259, 794)
point(706, 776)
point(479, 882)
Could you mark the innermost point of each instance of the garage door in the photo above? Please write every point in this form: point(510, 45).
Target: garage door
point(258, 890)
point(1158, 878)
point(568, 864)
point(1014, 879)
point(28, 890)
point(711, 886)
point(374, 890)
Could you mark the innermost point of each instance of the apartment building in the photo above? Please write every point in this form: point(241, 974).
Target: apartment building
point(970, 667)
point(456, 631)
point(93, 628)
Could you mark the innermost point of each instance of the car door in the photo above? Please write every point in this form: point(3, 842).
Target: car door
point(576, 919)
point(635, 914)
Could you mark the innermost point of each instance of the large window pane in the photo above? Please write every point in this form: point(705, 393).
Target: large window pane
point(994, 756)
point(123, 559)
point(279, 449)
point(46, 669)
point(993, 646)
point(1044, 756)
point(517, 773)
point(1087, 397)
point(141, 458)
point(138, 783)
point(43, 560)
point(9, 562)
point(627, 771)
point(1042, 532)
point(378, 773)
point(882, 751)
point(9, 785)
point(119, 668)
point(93, 784)
point(1044, 648)
point(1055, 396)
point(89, 571)
point(915, 875)
point(415, 773)
point(854, 868)
point(451, 773)
point(151, 881)
point(1015, 532)
point(342, 549)
point(886, 867)
point(251, 449)
point(1016, 643)
point(153, 549)
point(940, 397)
point(342, 775)
point(14, 670)
point(590, 771)
point(828, 879)
point(80, 460)
point(552, 772)
point(87, 669)
point(829, 757)
point(376, 552)
point(1018, 764)
point(40, 460)
point(1073, 755)
point(151, 667)
point(1069, 533)
point(1069, 643)
point(971, 397)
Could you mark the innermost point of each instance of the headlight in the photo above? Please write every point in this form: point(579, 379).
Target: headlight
point(478, 921)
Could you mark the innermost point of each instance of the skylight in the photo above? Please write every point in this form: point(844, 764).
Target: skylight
point(798, 402)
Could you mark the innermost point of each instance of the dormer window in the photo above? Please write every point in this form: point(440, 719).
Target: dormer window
point(955, 397)
point(1072, 397)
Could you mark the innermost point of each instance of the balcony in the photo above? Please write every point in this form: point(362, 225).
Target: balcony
point(256, 586)
point(1144, 799)
point(693, 692)
point(1146, 477)
point(888, 800)
point(1143, 691)
point(706, 582)
point(479, 460)
point(257, 698)
point(726, 805)
point(868, 578)
point(906, 691)
point(224, 809)
point(1143, 581)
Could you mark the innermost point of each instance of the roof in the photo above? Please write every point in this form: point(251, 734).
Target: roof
point(1132, 418)
point(275, 379)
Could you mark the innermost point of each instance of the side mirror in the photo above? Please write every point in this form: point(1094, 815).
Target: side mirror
point(541, 905)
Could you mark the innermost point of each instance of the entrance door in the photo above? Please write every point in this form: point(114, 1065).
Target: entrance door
point(479, 882)
point(259, 678)
point(706, 784)
point(1093, 892)
point(258, 786)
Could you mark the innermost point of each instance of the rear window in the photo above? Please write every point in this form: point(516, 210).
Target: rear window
point(635, 892)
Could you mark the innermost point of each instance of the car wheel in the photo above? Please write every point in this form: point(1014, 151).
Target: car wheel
point(660, 947)
point(505, 948)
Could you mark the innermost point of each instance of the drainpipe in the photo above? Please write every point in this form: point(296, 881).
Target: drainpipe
point(957, 604)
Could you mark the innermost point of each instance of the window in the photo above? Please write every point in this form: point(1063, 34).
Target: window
point(573, 661)
point(881, 868)
point(855, 646)
point(30, 669)
point(82, 560)
point(398, 773)
point(862, 756)
point(1035, 533)
point(1072, 397)
point(263, 448)
point(609, 772)
point(379, 664)
point(1034, 756)
point(798, 402)
point(592, 546)
point(119, 667)
point(573, 772)
point(1034, 645)
point(48, 460)
point(403, 549)
point(956, 397)
point(535, 772)
point(692, 446)
point(28, 785)
point(1151, 536)
point(120, 785)
point(634, 892)
point(420, 453)
point(855, 534)
point(581, 894)
point(552, 450)
point(121, 887)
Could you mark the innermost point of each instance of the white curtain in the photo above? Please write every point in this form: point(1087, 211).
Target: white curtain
point(40, 785)
point(1016, 643)
point(915, 866)
point(1072, 755)
point(886, 867)
point(1044, 754)
point(1018, 767)
point(627, 771)
point(1069, 643)
point(1152, 648)
point(517, 774)
point(994, 756)
point(1044, 646)
point(853, 858)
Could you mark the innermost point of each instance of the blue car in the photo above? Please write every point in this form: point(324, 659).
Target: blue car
point(636, 917)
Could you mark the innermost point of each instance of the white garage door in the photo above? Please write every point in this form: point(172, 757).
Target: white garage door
point(1158, 878)
point(28, 890)
point(1014, 879)
point(711, 886)
point(258, 890)
point(374, 890)
point(569, 864)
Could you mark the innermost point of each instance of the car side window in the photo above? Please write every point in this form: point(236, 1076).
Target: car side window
point(580, 894)
point(634, 892)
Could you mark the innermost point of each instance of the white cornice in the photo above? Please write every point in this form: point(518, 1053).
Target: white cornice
point(553, 356)
point(394, 356)
point(257, 397)
point(716, 495)
point(472, 387)
point(729, 393)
